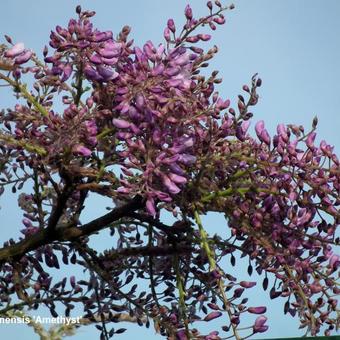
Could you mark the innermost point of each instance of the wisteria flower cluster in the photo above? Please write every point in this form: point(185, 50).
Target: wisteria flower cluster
point(147, 128)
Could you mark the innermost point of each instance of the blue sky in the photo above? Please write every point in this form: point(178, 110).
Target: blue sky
point(293, 45)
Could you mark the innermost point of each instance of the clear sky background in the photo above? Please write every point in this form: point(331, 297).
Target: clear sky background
point(293, 45)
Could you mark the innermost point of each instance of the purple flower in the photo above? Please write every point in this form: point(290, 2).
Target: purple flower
point(259, 326)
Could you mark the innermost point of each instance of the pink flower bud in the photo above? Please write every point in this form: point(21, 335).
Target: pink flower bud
point(140, 101)
point(257, 310)
point(149, 50)
point(187, 159)
point(150, 206)
point(173, 318)
point(222, 105)
point(167, 34)
point(235, 319)
point(282, 132)
point(89, 102)
point(265, 138)
point(27, 222)
point(219, 20)
point(73, 281)
point(110, 50)
point(212, 316)
point(91, 127)
point(188, 12)
point(212, 26)
point(292, 147)
point(123, 190)
point(81, 150)
point(96, 59)
point(326, 148)
point(334, 261)
point(177, 178)
point(181, 335)
point(259, 127)
point(91, 73)
point(182, 60)
point(170, 185)
point(172, 71)
point(120, 123)
point(238, 292)
point(193, 39)
point(67, 71)
point(102, 36)
point(163, 196)
point(259, 326)
point(247, 284)
point(158, 70)
point(262, 133)
point(106, 73)
point(204, 37)
point(23, 58)
point(315, 288)
point(310, 140)
point(213, 306)
point(8, 38)
point(171, 25)
point(109, 61)
point(15, 50)
point(245, 126)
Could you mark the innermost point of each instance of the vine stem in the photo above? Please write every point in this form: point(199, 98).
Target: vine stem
point(23, 90)
point(212, 266)
point(181, 292)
